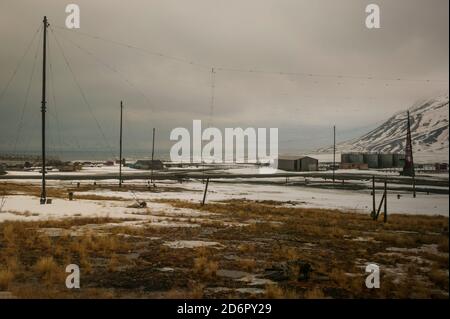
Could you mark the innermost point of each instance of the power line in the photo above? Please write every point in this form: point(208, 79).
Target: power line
point(213, 96)
point(113, 69)
point(25, 104)
point(8, 83)
point(85, 100)
point(52, 86)
point(256, 71)
point(154, 53)
point(334, 76)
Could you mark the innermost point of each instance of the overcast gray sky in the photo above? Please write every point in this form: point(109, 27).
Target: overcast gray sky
point(321, 37)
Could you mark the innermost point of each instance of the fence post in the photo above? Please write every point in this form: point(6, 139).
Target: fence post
point(373, 197)
point(379, 206)
point(385, 199)
point(206, 189)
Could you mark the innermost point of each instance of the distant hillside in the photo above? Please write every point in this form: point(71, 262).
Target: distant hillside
point(429, 129)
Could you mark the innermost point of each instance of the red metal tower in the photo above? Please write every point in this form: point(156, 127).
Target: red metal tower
point(408, 169)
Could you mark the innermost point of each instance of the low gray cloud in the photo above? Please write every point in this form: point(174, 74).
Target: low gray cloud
point(321, 37)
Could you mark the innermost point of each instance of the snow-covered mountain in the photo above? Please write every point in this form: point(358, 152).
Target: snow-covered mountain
point(429, 130)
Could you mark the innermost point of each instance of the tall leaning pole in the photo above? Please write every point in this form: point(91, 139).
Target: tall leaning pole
point(43, 199)
point(408, 168)
point(120, 145)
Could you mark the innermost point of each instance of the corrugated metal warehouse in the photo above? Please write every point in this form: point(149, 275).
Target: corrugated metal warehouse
point(385, 160)
point(298, 163)
point(373, 160)
point(399, 160)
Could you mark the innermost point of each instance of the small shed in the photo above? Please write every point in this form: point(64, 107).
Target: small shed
point(298, 163)
point(148, 164)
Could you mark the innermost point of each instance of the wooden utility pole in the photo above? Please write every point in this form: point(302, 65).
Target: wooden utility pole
point(120, 146)
point(43, 199)
point(373, 198)
point(385, 199)
point(334, 151)
point(153, 154)
point(153, 144)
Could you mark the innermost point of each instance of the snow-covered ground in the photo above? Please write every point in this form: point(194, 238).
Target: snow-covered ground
point(21, 207)
point(252, 170)
point(317, 198)
point(98, 170)
point(28, 208)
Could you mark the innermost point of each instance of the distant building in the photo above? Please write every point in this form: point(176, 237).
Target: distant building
point(124, 162)
point(371, 160)
point(439, 167)
point(148, 164)
point(298, 163)
point(70, 167)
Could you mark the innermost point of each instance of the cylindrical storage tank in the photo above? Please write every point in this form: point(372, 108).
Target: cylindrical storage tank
point(399, 160)
point(385, 160)
point(345, 158)
point(371, 159)
point(356, 158)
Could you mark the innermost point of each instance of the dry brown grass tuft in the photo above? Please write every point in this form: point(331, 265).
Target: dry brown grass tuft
point(396, 239)
point(13, 264)
point(443, 245)
point(48, 269)
point(113, 263)
point(315, 293)
point(9, 234)
point(276, 292)
point(286, 253)
point(247, 263)
point(6, 276)
point(439, 277)
point(195, 291)
point(205, 267)
point(247, 248)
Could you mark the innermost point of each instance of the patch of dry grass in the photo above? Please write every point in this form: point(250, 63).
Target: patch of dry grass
point(333, 243)
point(195, 291)
point(247, 264)
point(443, 245)
point(276, 292)
point(205, 267)
point(48, 270)
point(439, 277)
point(6, 277)
point(113, 263)
point(315, 293)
